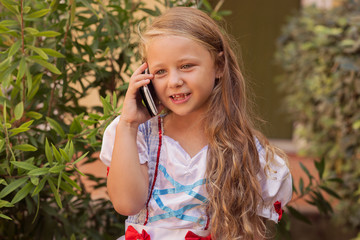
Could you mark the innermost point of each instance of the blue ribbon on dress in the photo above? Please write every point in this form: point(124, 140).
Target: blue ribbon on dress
point(178, 188)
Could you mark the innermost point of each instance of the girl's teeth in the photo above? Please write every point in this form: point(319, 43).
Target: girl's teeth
point(179, 96)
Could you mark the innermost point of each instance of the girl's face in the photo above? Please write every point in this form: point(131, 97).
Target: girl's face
point(184, 73)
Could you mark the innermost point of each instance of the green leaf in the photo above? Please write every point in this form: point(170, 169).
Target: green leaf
point(75, 126)
point(25, 147)
point(19, 110)
point(71, 150)
point(301, 186)
point(38, 171)
point(38, 14)
point(298, 215)
point(89, 122)
point(2, 143)
point(4, 113)
point(24, 165)
point(12, 186)
point(57, 169)
point(40, 186)
point(356, 125)
point(54, 5)
point(338, 180)
point(34, 115)
point(5, 64)
point(72, 11)
point(6, 77)
point(64, 154)
point(72, 237)
point(18, 130)
point(10, 6)
point(81, 173)
point(87, 4)
point(31, 30)
point(14, 48)
point(26, 124)
point(22, 193)
point(53, 53)
point(80, 158)
point(29, 80)
point(34, 181)
point(94, 116)
point(320, 166)
point(56, 154)
point(47, 34)
point(48, 152)
point(5, 217)
point(39, 51)
point(70, 181)
point(9, 23)
point(47, 65)
point(114, 100)
point(27, 9)
point(306, 171)
point(67, 188)
point(3, 182)
point(92, 133)
point(106, 105)
point(56, 193)
point(59, 181)
point(149, 11)
point(56, 126)
point(22, 69)
point(331, 192)
point(4, 203)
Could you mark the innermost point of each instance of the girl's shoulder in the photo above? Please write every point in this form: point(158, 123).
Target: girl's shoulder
point(150, 127)
point(147, 131)
point(275, 181)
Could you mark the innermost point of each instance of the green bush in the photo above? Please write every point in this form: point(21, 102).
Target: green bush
point(319, 51)
point(46, 49)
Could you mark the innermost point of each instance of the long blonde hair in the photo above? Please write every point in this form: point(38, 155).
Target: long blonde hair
point(233, 160)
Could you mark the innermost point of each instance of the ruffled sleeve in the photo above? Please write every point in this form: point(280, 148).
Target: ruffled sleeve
point(276, 187)
point(109, 140)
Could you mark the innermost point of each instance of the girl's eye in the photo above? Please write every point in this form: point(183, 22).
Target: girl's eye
point(186, 66)
point(159, 72)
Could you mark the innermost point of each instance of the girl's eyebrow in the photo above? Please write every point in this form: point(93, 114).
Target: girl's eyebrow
point(180, 60)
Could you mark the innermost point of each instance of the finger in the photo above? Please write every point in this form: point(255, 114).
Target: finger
point(141, 69)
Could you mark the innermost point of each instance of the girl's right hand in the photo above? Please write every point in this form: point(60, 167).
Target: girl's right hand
point(134, 112)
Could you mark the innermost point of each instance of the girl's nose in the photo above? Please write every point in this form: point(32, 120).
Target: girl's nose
point(175, 80)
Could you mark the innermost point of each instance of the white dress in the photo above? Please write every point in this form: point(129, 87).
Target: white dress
point(177, 194)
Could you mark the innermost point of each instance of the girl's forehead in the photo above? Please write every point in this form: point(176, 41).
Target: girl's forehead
point(170, 38)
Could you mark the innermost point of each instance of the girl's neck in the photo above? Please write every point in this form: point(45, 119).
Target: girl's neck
point(188, 131)
point(184, 123)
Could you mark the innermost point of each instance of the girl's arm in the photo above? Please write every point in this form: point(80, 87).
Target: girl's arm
point(128, 180)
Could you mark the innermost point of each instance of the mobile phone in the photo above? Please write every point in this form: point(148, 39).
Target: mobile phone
point(147, 93)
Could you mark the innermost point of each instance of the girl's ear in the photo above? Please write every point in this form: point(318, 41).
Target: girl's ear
point(219, 63)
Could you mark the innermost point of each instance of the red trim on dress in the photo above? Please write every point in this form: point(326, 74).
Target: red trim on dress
point(192, 236)
point(132, 234)
point(278, 210)
point(156, 170)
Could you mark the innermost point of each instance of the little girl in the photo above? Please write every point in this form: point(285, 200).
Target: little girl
point(199, 170)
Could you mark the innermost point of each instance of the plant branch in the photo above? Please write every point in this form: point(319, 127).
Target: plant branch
point(22, 27)
point(23, 47)
point(51, 102)
point(68, 24)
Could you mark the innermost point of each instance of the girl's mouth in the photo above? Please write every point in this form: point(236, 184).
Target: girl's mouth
point(180, 98)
